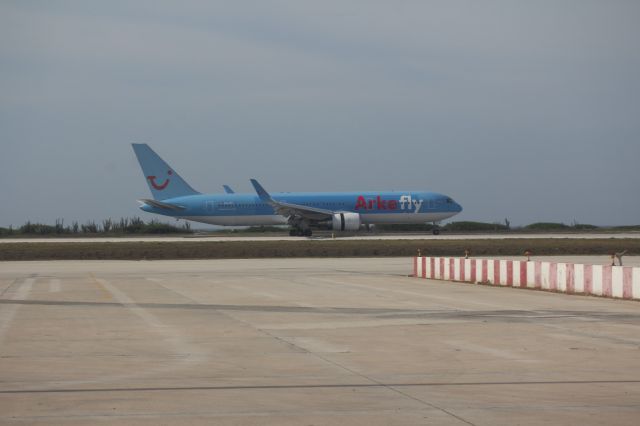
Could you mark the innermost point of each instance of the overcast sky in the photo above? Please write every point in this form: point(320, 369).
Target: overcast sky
point(527, 110)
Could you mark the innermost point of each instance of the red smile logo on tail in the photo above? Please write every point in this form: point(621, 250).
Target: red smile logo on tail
point(163, 185)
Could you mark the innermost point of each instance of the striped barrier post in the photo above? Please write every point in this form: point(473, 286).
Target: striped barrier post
point(621, 282)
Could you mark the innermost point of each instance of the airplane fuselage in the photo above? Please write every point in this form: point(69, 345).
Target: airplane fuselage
point(340, 211)
point(394, 207)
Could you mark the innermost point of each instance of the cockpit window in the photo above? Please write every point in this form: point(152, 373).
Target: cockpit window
point(449, 201)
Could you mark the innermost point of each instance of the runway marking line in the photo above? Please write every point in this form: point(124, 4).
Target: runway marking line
point(9, 312)
point(54, 285)
point(171, 334)
point(106, 294)
point(493, 352)
point(322, 386)
point(406, 292)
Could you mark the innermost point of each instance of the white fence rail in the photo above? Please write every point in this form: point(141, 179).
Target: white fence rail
point(599, 280)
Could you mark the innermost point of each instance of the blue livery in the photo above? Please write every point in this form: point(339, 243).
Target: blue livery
point(340, 211)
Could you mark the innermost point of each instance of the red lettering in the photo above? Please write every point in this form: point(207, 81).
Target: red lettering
point(361, 203)
point(377, 203)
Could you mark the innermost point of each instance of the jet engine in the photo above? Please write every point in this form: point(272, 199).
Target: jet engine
point(345, 222)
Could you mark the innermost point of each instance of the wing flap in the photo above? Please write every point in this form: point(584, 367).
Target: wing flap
point(289, 209)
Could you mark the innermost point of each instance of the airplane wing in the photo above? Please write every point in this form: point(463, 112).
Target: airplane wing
point(161, 205)
point(289, 209)
point(228, 189)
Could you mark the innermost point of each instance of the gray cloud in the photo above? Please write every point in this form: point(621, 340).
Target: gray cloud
point(526, 110)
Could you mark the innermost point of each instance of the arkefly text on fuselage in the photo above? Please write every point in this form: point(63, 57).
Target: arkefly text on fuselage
point(341, 211)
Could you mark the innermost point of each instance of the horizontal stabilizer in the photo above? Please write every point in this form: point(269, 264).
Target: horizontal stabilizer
point(160, 205)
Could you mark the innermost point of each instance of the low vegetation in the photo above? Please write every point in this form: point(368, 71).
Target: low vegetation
point(254, 230)
point(475, 227)
point(124, 226)
point(312, 248)
point(627, 228)
point(451, 227)
point(547, 226)
point(137, 226)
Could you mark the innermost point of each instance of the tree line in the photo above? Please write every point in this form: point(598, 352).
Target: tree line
point(125, 225)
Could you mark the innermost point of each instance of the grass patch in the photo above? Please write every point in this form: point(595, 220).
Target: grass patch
point(627, 228)
point(310, 248)
point(547, 226)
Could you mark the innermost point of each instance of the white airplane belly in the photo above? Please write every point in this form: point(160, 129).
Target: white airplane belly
point(270, 220)
point(404, 218)
point(243, 220)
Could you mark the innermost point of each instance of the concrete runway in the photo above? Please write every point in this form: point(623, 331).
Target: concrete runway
point(323, 237)
point(304, 342)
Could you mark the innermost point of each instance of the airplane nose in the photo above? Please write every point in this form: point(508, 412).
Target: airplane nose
point(458, 208)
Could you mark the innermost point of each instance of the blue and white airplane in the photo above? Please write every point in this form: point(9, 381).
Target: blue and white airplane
point(340, 211)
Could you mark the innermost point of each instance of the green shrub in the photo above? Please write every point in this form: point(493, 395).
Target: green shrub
point(474, 226)
point(264, 229)
point(134, 225)
point(547, 226)
point(584, 226)
point(627, 228)
point(36, 229)
point(159, 228)
point(405, 227)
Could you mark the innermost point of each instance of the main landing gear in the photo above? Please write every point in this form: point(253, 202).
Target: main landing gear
point(436, 229)
point(299, 227)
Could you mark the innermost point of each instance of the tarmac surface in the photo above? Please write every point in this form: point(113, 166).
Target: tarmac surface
point(305, 342)
point(323, 237)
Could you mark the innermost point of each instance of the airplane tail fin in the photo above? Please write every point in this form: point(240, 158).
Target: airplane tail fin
point(163, 181)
